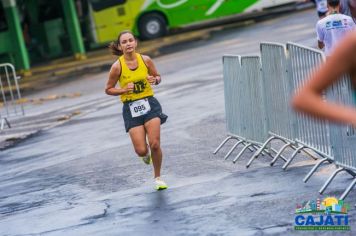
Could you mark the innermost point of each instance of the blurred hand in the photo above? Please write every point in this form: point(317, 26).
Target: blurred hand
point(151, 79)
point(130, 87)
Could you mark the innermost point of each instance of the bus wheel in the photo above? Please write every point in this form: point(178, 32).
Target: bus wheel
point(152, 26)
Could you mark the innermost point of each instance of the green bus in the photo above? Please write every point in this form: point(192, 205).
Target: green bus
point(149, 19)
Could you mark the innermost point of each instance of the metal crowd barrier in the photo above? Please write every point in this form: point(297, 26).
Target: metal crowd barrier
point(257, 104)
point(10, 94)
point(231, 71)
point(234, 118)
point(244, 92)
point(254, 107)
point(251, 101)
point(313, 134)
point(283, 70)
point(277, 89)
point(343, 138)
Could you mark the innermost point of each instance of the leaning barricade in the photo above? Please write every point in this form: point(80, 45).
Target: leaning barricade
point(313, 134)
point(343, 138)
point(281, 69)
point(231, 72)
point(245, 105)
point(10, 95)
point(234, 86)
point(277, 89)
point(257, 103)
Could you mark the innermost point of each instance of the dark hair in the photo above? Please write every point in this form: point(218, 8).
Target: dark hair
point(114, 46)
point(334, 3)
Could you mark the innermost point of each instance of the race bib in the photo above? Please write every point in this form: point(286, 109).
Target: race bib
point(139, 107)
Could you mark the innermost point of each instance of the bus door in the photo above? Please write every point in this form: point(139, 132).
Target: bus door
point(108, 18)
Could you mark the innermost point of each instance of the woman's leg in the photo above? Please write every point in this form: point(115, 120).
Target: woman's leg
point(153, 129)
point(138, 138)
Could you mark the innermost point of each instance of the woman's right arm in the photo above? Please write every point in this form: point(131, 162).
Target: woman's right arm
point(114, 75)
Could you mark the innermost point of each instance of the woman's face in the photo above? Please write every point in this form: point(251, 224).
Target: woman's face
point(128, 43)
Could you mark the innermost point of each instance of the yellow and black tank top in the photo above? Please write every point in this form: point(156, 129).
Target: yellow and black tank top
point(138, 76)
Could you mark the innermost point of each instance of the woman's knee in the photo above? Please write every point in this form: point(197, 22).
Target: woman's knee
point(155, 144)
point(141, 151)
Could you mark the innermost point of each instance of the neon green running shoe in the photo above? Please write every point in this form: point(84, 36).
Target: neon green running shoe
point(147, 159)
point(160, 184)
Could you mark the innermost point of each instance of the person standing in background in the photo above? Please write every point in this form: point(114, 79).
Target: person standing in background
point(322, 8)
point(332, 28)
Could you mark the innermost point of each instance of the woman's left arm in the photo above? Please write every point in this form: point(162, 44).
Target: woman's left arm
point(153, 77)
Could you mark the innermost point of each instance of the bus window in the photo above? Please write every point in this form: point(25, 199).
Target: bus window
point(108, 17)
point(99, 5)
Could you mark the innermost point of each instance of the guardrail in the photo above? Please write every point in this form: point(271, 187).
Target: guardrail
point(234, 86)
point(312, 133)
point(257, 103)
point(244, 92)
point(277, 90)
point(10, 95)
point(342, 137)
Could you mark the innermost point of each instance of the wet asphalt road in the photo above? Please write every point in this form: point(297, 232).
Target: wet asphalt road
point(82, 177)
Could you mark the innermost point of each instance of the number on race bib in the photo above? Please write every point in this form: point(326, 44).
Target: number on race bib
point(139, 107)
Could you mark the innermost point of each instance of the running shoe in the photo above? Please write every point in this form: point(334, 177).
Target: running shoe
point(160, 184)
point(148, 158)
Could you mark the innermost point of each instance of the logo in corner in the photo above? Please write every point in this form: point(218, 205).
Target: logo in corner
point(328, 214)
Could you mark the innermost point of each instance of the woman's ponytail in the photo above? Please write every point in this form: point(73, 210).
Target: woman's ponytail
point(114, 48)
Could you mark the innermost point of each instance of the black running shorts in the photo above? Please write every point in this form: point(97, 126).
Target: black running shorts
point(156, 111)
point(322, 14)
